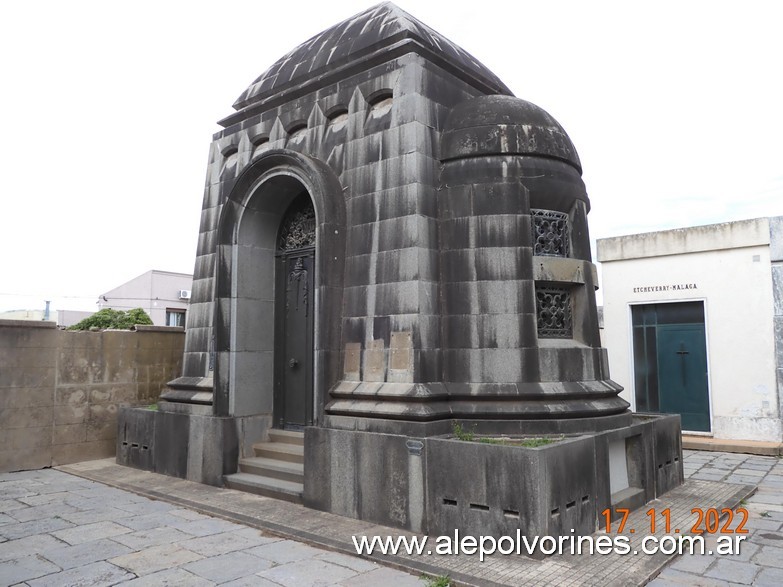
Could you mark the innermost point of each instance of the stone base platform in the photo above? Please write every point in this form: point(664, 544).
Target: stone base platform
point(438, 483)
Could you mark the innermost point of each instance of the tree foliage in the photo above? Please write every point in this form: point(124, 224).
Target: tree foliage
point(109, 318)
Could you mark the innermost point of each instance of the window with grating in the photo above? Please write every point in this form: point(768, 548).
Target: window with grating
point(298, 227)
point(553, 309)
point(550, 233)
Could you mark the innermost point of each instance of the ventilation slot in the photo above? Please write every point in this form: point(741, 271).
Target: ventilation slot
point(447, 501)
point(479, 507)
point(585, 499)
point(555, 512)
point(511, 513)
point(570, 504)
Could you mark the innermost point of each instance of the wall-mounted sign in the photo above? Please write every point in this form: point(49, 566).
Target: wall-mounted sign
point(655, 288)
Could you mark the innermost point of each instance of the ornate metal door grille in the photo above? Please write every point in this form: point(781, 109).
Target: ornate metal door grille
point(298, 227)
point(553, 307)
point(550, 233)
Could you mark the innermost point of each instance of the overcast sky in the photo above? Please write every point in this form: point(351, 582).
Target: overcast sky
point(108, 109)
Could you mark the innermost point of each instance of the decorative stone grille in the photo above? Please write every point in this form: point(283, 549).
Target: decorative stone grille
point(298, 230)
point(553, 307)
point(550, 233)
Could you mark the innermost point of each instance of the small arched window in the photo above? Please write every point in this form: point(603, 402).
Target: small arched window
point(380, 111)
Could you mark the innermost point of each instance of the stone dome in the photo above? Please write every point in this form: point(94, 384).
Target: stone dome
point(373, 36)
point(504, 125)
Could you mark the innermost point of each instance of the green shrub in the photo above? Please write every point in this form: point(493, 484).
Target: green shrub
point(109, 318)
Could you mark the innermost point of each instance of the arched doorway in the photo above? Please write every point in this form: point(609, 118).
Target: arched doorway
point(294, 310)
point(251, 264)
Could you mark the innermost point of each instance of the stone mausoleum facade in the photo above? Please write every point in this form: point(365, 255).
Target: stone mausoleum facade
point(673, 323)
point(391, 243)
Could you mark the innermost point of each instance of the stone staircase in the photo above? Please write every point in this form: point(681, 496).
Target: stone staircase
point(276, 471)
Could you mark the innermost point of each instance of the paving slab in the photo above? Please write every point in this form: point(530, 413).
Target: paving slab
point(308, 572)
point(29, 545)
point(169, 578)
point(734, 571)
point(223, 543)
point(68, 557)
point(153, 537)
point(101, 574)
point(769, 578)
point(90, 532)
point(25, 568)
point(229, 567)
point(137, 522)
point(285, 551)
point(382, 577)
point(21, 530)
point(156, 558)
point(256, 581)
point(770, 556)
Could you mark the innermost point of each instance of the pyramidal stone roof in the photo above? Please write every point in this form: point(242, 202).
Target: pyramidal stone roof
point(374, 36)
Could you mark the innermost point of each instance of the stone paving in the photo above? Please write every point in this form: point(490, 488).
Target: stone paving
point(60, 529)
point(760, 561)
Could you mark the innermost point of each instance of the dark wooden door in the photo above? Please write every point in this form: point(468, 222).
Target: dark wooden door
point(294, 339)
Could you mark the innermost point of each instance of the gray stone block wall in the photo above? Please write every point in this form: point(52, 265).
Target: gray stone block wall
point(425, 173)
point(390, 194)
point(60, 390)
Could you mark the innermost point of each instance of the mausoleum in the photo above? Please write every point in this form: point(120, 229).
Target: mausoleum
point(391, 244)
point(694, 320)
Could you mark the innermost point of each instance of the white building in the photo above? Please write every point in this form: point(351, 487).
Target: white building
point(164, 295)
point(693, 322)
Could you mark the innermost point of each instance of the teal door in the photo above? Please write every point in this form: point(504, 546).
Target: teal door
point(670, 362)
point(682, 374)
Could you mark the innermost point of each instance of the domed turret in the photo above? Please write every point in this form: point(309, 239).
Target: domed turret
point(495, 125)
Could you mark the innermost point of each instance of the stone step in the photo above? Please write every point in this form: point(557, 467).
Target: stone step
point(293, 453)
point(286, 436)
point(276, 469)
point(266, 486)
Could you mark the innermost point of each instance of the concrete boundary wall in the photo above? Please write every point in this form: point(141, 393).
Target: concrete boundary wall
point(60, 390)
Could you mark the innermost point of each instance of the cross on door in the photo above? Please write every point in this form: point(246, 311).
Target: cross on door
point(682, 352)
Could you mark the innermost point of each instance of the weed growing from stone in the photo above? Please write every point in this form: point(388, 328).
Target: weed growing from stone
point(461, 433)
point(440, 581)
